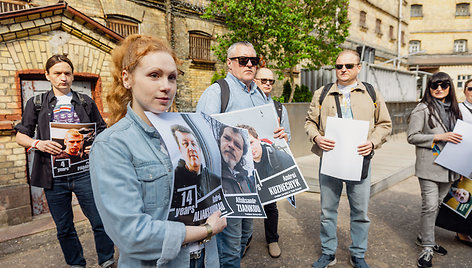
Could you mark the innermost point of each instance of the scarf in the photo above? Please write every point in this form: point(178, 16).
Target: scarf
point(445, 113)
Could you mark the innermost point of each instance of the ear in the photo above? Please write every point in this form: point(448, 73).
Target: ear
point(47, 76)
point(228, 63)
point(126, 77)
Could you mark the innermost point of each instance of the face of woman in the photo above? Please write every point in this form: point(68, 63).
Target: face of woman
point(153, 83)
point(440, 89)
point(468, 92)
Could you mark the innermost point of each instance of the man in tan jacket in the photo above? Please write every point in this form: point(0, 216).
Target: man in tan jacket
point(355, 102)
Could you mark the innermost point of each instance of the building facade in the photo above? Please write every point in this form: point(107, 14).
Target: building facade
point(87, 31)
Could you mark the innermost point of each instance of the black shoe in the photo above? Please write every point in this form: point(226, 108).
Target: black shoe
point(425, 259)
point(436, 248)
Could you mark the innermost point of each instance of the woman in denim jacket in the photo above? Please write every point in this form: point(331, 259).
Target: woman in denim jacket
point(430, 127)
point(131, 170)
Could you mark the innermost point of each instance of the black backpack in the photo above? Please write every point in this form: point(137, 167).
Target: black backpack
point(369, 87)
point(225, 98)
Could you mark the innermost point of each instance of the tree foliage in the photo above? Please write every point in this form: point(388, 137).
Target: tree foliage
point(284, 32)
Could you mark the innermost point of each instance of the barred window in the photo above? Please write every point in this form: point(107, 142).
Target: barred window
point(8, 6)
point(124, 26)
point(402, 36)
point(463, 9)
point(378, 26)
point(199, 45)
point(460, 45)
point(415, 46)
point(362, 19)
point(416, 11)
point(391, 33)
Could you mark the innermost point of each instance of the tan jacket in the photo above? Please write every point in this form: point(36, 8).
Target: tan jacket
point(380, 124)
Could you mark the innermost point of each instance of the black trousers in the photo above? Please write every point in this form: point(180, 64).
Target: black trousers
point(271, 223)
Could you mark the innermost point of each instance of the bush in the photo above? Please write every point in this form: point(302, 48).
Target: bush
point(217, 76)
point(302, 94)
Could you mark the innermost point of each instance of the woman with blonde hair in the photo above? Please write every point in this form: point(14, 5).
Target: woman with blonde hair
point(131, 169)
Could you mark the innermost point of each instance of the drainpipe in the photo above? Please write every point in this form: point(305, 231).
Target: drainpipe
point(399, 41)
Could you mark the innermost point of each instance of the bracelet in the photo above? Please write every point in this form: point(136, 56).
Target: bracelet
point(209, 232)
point(33, 145)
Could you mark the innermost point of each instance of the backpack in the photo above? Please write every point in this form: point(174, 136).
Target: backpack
point(369, 87)
point(38, 101)
point(225, 98)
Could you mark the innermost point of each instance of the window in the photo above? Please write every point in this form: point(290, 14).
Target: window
point(463, 9)
point(7, 6)
point(403, 38)
point(461, 80)
point(415, 46)
point(378, 27)
point(122, 25)
point(199, 45)
point(460, 45)
point(362, 19)
point(391, 33)
point(416, 11)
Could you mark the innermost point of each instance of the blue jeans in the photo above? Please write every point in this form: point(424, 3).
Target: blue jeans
point(59, 199)
point(358, 194)
point(198, 263)
point(232, 241)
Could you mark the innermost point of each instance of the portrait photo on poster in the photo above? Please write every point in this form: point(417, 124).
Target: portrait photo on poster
point(76, 140)
point(197, 191)
point(275, 170)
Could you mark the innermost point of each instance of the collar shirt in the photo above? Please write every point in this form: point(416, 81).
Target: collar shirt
point(466, 113)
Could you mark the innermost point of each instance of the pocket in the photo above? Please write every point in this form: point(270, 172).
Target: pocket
point(155, 185)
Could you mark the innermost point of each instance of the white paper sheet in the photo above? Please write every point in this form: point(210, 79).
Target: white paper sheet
point(458, 157)
point(344, 162)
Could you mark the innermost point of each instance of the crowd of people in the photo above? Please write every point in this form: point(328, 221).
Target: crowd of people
point(128, 189)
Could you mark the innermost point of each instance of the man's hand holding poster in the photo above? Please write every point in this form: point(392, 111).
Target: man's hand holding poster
point(76, 139)
point(277, 174)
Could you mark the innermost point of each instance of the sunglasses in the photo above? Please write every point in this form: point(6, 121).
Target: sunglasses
point(243, 61)
point(264, 80)
point(469, 89)
point(348, 66)
point(444, 85)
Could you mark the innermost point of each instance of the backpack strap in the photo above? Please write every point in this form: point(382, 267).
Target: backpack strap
point(278, 109)
point(371, 91)
point(470, 110)
point(324, 92)
point(37, 102)
point(224, 94)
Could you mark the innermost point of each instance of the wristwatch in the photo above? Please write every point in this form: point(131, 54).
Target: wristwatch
point(209, 232)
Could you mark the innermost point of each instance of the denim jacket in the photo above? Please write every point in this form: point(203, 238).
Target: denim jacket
point(132, 185)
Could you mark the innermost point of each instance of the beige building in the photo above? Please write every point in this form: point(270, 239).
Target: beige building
point(379, 25)
point(86, 30)
point(443, 30)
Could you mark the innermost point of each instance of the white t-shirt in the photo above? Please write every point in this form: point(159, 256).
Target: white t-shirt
point(466, 114)
point(64, 110)
point(345, 101)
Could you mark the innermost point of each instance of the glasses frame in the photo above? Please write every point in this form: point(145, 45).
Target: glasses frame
point(443, 84)
point(468, 89)
point(265, 80)
point(243, 60)
point(348, 66)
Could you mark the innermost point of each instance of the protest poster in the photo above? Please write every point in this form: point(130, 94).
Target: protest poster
point(348, 134)
point(277, 175)
point(197, 162)
point(75, 139)
point(456, 157)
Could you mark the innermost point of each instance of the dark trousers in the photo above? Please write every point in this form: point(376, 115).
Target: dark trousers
point(271, 223)
point(60, 205)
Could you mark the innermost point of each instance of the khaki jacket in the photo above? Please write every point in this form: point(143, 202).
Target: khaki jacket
point(380, 124)
point(422, 136)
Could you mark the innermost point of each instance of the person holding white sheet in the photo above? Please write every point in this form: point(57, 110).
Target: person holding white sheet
point(429, 128)
point(355, 102)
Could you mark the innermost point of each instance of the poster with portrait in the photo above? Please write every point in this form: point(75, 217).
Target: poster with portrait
point(276, 172)
point(76, 140)
point(454, 214)
point(196, 158)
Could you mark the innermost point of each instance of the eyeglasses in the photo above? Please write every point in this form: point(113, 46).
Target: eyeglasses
point(444, 84)
point(264, 80)
point(243, 61)
point(348, 66)
point(469, 89)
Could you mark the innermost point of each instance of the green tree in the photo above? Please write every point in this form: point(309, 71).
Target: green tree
point(284, 33)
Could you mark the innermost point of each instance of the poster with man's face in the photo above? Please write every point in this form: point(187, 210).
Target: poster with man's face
point(459, 197)
point(277, 175)
point(75, 139)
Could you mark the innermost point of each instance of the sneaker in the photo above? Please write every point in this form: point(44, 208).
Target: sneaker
point(274, 250)
point(425, 259)
point(358, 262)
point(324, 261)
point(436, 248)
point(109, 264)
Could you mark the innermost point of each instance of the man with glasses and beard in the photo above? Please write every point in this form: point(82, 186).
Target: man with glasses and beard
point(242, 63)
point(348, 98)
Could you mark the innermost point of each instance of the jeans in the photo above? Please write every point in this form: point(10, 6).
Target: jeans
point(232, 241)
point(271, 222)
point(358, 194)
point(432, 194)
point(59, 199)
point(198, 263)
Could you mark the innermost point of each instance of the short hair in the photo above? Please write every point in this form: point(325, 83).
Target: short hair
point(250, 129)
point(53, 60)
point(350, 51)
point(181, 129)
point(234, 130)
point(241, 43)
point(260, 69)
point(465, 84)
point(72, 133)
